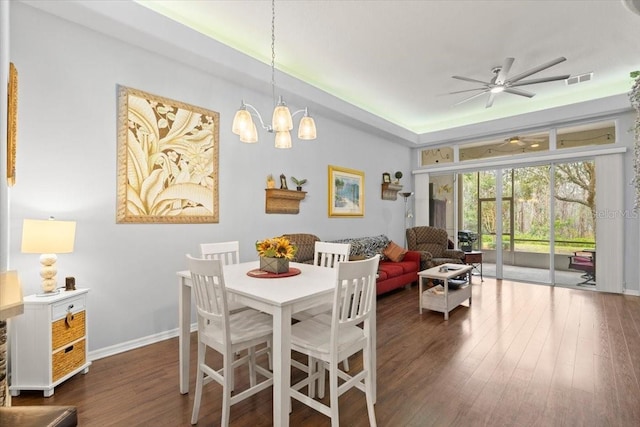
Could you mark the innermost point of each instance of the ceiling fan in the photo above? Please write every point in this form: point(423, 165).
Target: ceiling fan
point(522, 141)
point(500, 82)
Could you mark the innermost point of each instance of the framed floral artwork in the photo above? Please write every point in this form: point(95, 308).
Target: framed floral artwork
point(12, 124)
point(167, 160)
point(346, 192)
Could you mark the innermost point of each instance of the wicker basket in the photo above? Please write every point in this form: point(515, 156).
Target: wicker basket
point(63, 333)
point(68, 359)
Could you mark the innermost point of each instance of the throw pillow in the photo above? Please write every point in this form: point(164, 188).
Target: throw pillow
point(394, 252)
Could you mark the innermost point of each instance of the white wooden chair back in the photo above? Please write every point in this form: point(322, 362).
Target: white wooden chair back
point(354, 295)
point(210, 294)
point(226, 252)
point(330, 254)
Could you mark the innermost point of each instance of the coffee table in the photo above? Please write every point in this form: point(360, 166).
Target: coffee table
point(449, 298)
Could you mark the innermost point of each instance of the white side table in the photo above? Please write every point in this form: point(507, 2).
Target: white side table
point(49, 341)
point(450, 298)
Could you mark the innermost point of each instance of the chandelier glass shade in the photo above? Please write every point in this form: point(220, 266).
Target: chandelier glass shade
point(282, 119)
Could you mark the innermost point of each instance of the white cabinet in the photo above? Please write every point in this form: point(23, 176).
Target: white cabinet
point(49, 341)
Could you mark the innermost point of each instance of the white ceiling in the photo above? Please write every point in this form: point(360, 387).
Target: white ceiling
point(387, 65)
point(395, 59)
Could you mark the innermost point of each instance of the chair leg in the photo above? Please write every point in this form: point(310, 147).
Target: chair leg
point(345, 364)
point(333, 395)
point(199, 381)
point(313, 368)
point(252, 366)
point(321, 379)
point(368, 386)
point(227, 387)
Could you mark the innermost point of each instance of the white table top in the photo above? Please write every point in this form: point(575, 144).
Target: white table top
point(435, 273)
point(312, 280)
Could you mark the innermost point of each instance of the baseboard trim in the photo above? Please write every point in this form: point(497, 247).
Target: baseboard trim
point(137, 343)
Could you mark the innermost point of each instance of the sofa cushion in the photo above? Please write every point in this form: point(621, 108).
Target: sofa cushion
point(367, 246)
point(394, 252)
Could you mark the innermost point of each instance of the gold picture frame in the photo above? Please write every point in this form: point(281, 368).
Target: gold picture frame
point(12, 124)
point(167, 160)
point(346, 192)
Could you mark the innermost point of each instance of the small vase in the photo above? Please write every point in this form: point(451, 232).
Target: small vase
point(274, 265)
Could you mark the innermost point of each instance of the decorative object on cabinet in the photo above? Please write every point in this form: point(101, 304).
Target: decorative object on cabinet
point(282, 121)
point(279, 201)
point(298, 182)
point(283, 182)
point(12, 124)
point(398, 176)
point(11, 305)
point(390, 191)
point(386, 177)
point(48, 237)
point(49, 342)
point(271, 183)
point(167, 160)
point(346, 192)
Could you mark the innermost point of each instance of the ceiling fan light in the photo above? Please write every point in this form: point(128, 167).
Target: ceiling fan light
point(497, 89)
point(242, 121)
point(283, 139)
point(307, 128)
point(282, 120)
point(535, 145)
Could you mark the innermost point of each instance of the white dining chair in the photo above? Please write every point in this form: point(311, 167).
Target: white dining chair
point(227, 334)
point(353, 302)
point(326, 254)
point(226, 252)
point(229, 253)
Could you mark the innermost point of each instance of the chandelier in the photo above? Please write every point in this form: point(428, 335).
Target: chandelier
point(282, 120)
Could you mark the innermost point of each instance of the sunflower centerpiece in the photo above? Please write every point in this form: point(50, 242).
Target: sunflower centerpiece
point(275, 254)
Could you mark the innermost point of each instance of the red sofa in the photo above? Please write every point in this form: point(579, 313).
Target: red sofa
point(391, 275)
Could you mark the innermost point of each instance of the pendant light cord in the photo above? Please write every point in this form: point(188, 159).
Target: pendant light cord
point(273, 51)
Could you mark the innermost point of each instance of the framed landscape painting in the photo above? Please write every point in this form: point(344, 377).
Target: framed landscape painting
point(346, 192)
point(167, 160)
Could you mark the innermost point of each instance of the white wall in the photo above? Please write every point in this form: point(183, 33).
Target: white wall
point(66, 167)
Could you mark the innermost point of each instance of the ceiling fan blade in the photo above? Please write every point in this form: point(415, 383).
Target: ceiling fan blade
point(535, 70)
point(490, 100)
point(519, 92)
point(467, 79)
point(541, 80)
point(504, 71)
point(467, 90)
point(471, 97)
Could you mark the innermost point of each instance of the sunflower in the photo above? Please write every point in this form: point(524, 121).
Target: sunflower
point(277, 247)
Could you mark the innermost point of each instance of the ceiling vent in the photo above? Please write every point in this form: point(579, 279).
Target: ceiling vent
point(580, 78)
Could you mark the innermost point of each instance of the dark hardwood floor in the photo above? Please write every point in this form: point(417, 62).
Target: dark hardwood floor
point(522, 355)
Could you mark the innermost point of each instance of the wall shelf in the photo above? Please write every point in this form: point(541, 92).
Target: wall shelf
point(390, 191)
point(281, 201)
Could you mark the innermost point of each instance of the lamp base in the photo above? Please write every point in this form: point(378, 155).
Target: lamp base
point(48, 271)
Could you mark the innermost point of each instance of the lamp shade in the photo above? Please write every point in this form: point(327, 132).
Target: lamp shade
point(283, 139)
point(307, 128)
point(242, 121)
point(10, 295)
point(48, 236)
point(282, 120)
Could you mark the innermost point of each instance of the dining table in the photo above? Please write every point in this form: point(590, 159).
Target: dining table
point(279, 297)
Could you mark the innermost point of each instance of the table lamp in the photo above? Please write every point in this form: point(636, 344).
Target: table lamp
point(48, 237)
point(10, 305)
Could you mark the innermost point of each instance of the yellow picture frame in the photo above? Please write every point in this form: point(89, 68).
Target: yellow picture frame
point(346, 192)
point(167, 160)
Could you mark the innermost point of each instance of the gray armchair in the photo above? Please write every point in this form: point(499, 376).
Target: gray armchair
point(433, 245)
